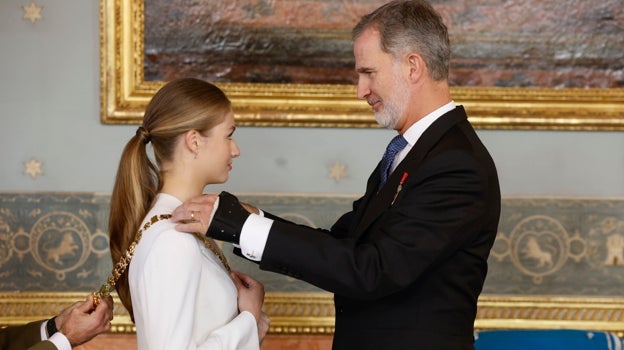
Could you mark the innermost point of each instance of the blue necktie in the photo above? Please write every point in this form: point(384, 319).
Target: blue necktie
point(395, 146)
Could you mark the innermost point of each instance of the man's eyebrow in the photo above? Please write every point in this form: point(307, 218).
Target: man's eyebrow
point(364, 70)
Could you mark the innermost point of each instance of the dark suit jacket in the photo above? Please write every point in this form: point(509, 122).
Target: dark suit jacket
point(405, 275)
point(24, 337)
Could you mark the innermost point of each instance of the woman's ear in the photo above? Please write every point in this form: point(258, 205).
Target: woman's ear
point(191, 141)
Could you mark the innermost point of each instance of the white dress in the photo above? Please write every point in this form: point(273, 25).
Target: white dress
point(182, 296)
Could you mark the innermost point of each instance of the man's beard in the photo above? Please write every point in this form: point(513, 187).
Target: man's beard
point(393, 108)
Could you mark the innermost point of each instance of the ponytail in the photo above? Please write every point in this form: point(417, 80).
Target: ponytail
point(135, 187)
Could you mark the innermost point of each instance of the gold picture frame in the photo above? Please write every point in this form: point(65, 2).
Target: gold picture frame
point(125, 93)
point(291, 313)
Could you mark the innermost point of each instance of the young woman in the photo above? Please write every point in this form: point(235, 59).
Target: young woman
point(178, 288)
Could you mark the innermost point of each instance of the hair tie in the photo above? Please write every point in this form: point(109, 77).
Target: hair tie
point(144, 134)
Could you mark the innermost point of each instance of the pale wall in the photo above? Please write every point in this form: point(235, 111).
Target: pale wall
point(49, 109)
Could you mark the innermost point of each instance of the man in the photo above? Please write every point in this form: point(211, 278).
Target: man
point(408, 263)
point(75, 325)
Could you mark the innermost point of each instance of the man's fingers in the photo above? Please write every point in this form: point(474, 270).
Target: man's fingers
point(85, 306)
point(183, 213)
point(192, 227)
point(103, 312)
point(192, 212)
point(107, 306)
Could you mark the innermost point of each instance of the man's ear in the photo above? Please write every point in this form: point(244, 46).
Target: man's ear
point(417, 66)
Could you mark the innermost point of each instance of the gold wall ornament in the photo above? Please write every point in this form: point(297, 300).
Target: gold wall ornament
point(60, 243)
point(125, 93)
point(313, 313)
point(550, 312)
point(337, 171)
point(23, 307)
point(556, 262)
point(33, 168)
point(32, 12)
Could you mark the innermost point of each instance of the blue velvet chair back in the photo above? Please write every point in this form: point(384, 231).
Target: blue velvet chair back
point(558, 339)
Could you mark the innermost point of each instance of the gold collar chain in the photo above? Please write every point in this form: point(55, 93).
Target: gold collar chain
point(210, 244)
point(125, 259)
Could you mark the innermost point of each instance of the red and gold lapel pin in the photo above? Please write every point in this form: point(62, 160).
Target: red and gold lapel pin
point(400, 186)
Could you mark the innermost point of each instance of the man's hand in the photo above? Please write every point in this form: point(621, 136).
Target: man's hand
point(80, 322)
point(194, 215)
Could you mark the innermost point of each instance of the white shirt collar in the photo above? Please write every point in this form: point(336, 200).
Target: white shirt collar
point(417, 129)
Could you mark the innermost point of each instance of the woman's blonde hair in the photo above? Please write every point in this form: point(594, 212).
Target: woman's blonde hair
point(179, 106)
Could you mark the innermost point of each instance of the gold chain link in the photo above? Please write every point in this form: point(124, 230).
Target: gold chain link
point(125, 259)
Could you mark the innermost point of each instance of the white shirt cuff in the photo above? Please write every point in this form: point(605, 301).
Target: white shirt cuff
point(60, 341)
point(214, 210)
point(58, 338)
point(42, 330)
point(254, 235)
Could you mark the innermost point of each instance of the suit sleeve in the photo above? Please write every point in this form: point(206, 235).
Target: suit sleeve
point(338, 229)
point(439, 210)
point(24, 337)
point(43, 345)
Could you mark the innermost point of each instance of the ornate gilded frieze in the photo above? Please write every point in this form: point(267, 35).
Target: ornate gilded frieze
point(556, 262)
point(53, 242)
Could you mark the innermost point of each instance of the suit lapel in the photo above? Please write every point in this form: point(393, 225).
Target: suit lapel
point(371, 188)
point(375, 204)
